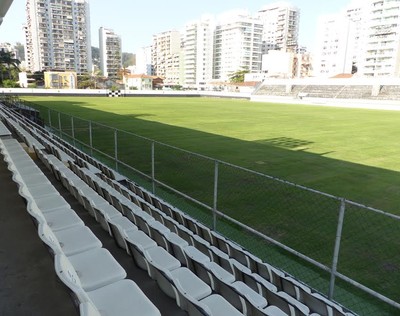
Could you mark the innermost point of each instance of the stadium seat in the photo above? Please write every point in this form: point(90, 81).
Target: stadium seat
point(211, 305)
point(69, 241)
point(120, 227)
point(122, 298)
point(96, 268)
point(138, 242)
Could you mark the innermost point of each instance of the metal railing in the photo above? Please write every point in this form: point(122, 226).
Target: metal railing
point(344, 249)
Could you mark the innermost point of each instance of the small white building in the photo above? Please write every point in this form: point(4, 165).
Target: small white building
point(138, 81)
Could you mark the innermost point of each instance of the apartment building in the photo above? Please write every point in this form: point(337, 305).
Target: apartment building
point(280, 22)
point(143, 61)
point(340, 41)
point(58, 35)
point(381, 56)
point(110, 53)
point(198, 46)
point(237, 46)
point(166, 56)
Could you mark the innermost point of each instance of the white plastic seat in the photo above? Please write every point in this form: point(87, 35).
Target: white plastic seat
point(77, 239)
point(175, 246)
point(158, 258)
point(43, 190)
point(138, 242)
point(51, 203)
point(180, 283)
point(220, 273)
point(193, 254)
point(69, 241)
point(104, 213)
point(62, 219)
point(253, 297)
point(120, 226)
point(122, 298)
point(96, 268)
point(212, 305)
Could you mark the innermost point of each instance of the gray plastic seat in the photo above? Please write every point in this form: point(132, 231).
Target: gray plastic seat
point(120, 226)
point(96, 268)
point(212, 305)
point(69, 241)
point(138, 242)
point(122, 298)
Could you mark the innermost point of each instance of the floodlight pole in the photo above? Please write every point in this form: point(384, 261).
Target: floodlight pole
point(337, 248)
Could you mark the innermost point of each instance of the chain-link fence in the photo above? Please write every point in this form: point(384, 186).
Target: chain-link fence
point(347, 251)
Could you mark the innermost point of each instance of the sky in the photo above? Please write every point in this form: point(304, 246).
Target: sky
point(136, 21)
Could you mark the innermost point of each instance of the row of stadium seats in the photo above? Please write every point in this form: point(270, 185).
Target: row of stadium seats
point(333, 91)
point(90, 271)
point(176, 242)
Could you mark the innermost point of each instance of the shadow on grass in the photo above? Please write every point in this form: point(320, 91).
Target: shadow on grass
point(301, 219)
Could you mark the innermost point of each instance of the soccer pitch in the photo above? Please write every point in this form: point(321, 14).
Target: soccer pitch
point(350, 153)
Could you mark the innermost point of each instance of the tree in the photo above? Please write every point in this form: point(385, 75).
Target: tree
point(123, 72)
point(238, 76)
point(128, 59)
point(8, 61)
point(85, 82)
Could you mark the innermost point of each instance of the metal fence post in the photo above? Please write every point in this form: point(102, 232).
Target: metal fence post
point(49, 118)
point(116, 148)
point(90, 139)
point(153, 171)
point(337, 248)
point(215, 195)
point(73, 131)
point(59, 124)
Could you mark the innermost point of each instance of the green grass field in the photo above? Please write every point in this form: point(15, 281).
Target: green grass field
point(350, 153)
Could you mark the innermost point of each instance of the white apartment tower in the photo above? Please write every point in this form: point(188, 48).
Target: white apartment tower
point(336, 51)
point(110, 52)
point(198, 53)
point(143, 61)
point(339, 41)
point(382, 39)
point(166, 56)
point(58, 35)
point(281, 26)
point(237, 46)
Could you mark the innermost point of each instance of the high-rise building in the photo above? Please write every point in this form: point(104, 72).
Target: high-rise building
point(237, 46)
point(110, 52)
point(198, 45)
point(340, 41)
point(280, 26)
point(143, 61)
point(58, 35)
point(381, 56)
point(166, 56)
point(362, 39)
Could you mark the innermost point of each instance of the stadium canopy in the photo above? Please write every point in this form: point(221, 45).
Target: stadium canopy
point(4, 6)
